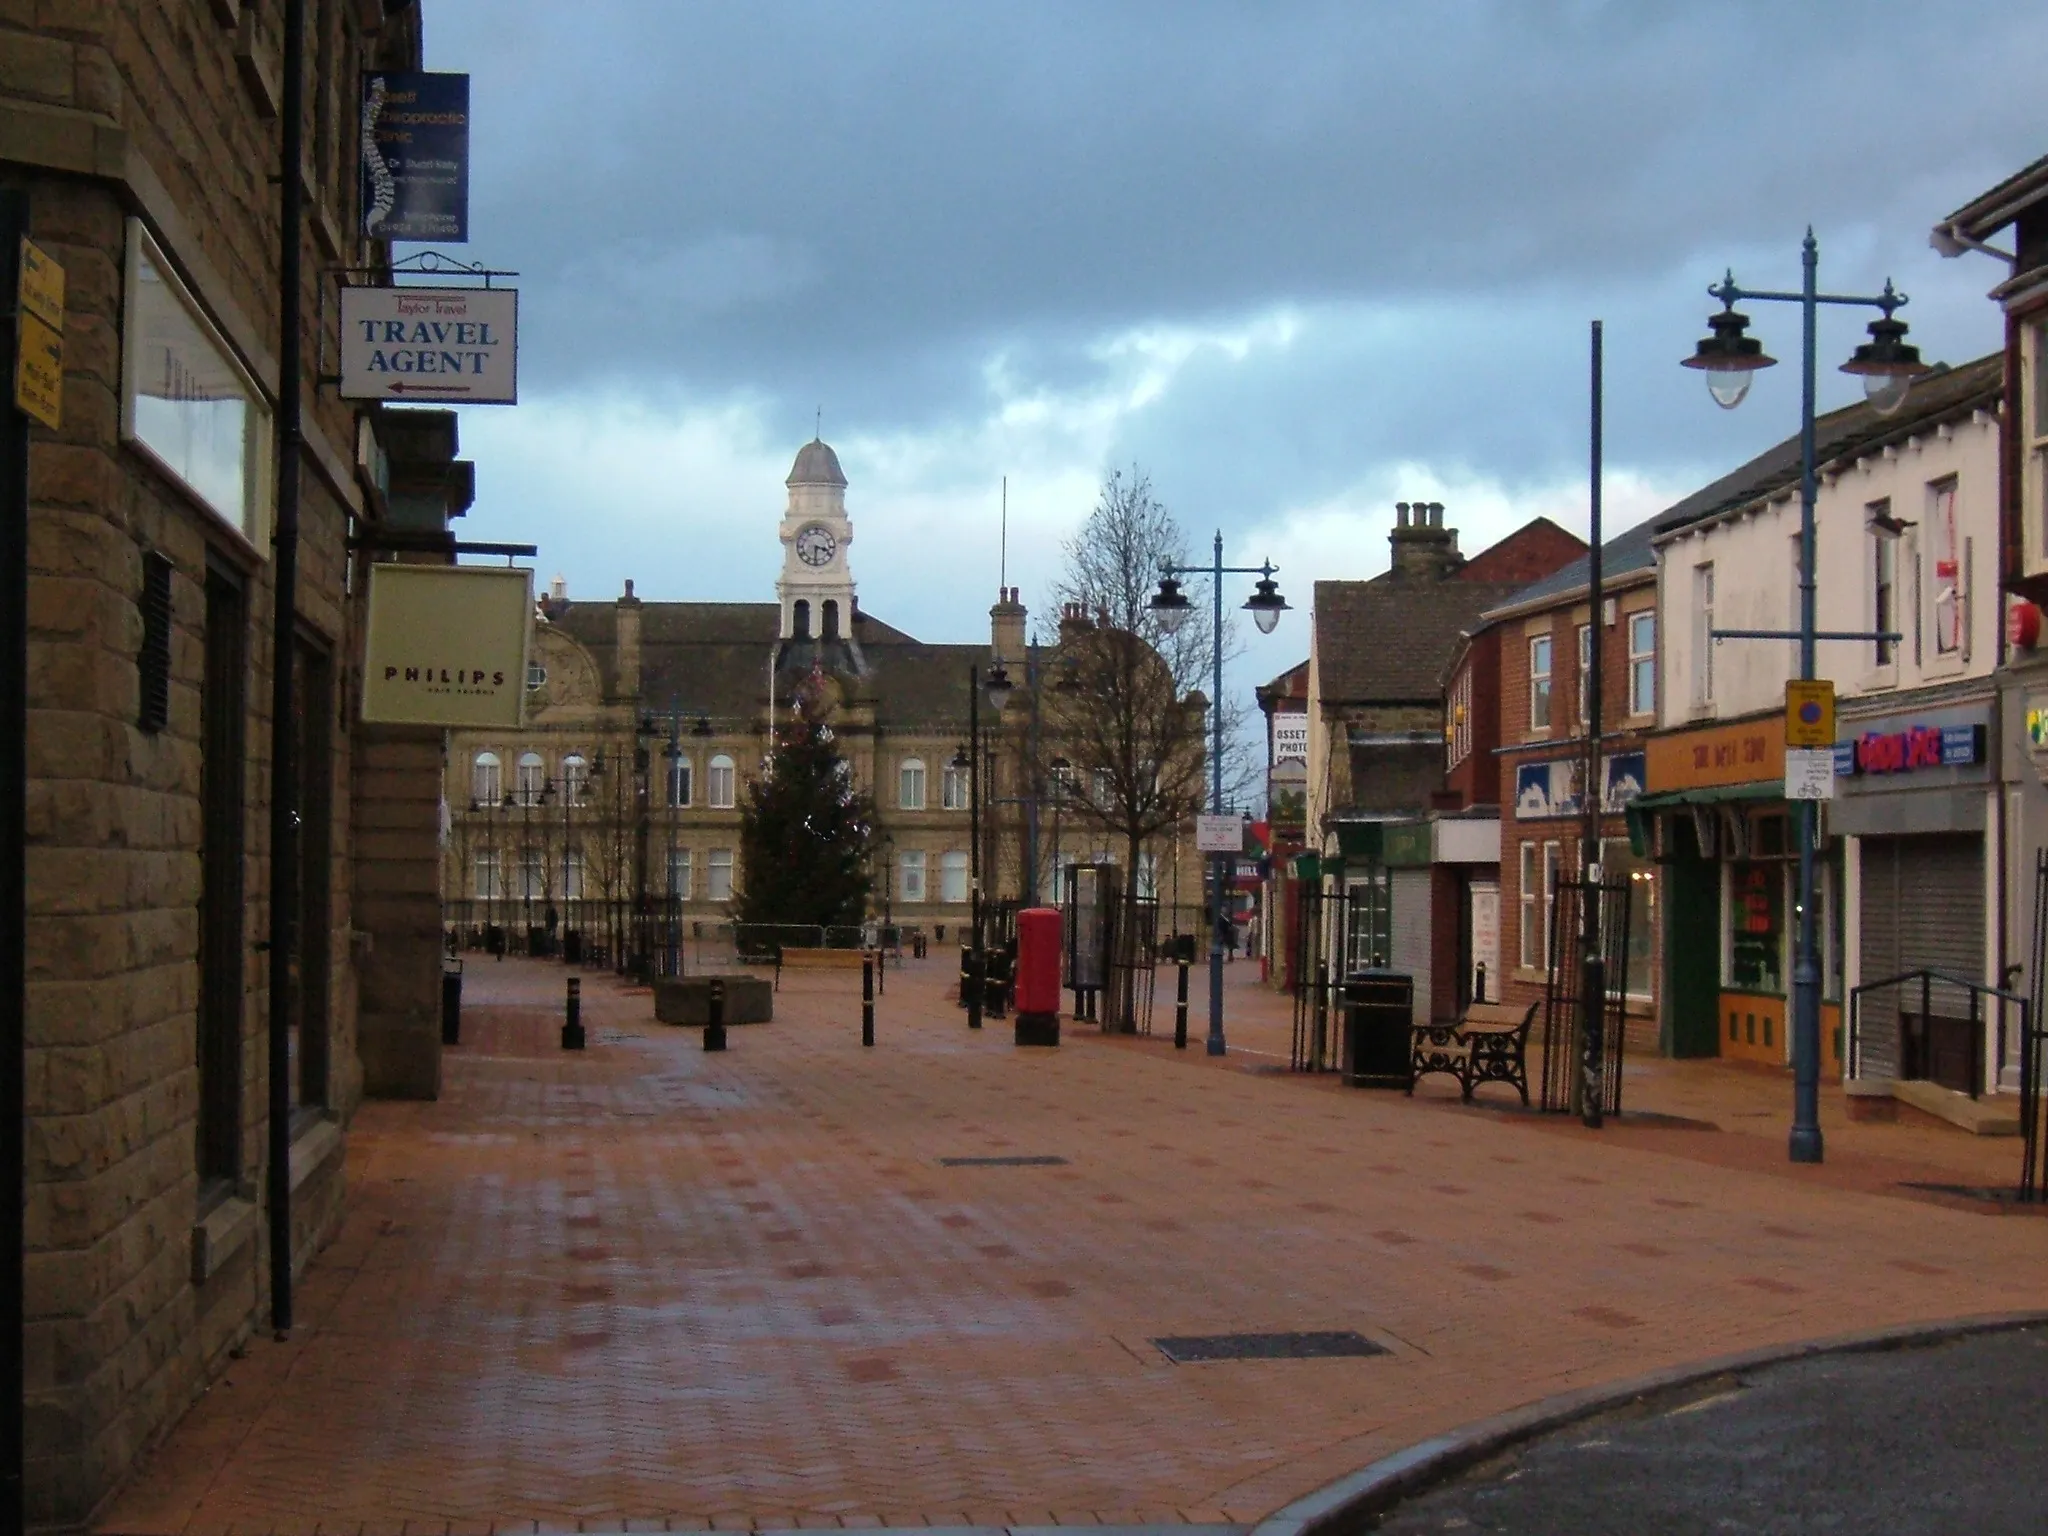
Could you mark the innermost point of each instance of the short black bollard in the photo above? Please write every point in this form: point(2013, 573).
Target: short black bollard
point(1180, 1008)
point(867, 1000)
point(977, 982)
point(572, 1025)
point(714, 1016)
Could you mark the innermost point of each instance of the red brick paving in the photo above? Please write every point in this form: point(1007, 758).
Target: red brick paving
point(647, 1286)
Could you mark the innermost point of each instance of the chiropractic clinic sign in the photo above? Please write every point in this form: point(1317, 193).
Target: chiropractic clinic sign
point(447, 645)
point(453, 346)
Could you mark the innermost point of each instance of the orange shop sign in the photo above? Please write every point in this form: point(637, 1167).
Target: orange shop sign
point(1743, 753)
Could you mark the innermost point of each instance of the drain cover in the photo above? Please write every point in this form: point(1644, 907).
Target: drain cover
point(1002, 1162)
point(1193, 1349)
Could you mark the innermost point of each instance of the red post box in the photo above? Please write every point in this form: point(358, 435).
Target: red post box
point(1038, 976)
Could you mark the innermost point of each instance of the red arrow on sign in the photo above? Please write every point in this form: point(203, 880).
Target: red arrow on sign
point(430, 389)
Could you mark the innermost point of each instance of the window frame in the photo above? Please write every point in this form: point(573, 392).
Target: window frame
point(721, 782)
point(1540, 684)
point(953, 877)
point(1882, 571)
point(478, 769)
point(953, 788)
point(1585, 674)
point(680, 862)
point(910, 874)
point(1528, 910)
point(910, 784)
point(1703, 635)
point(1943, 524)
point(720, 861)
point(1642, 664)
point(530, 778)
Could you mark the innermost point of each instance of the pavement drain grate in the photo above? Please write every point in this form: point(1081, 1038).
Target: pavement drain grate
point(1002, 1162)
point(1199, 1348)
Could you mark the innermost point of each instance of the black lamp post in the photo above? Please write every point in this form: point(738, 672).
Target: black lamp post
point(1888, 366)
point(1171, 606)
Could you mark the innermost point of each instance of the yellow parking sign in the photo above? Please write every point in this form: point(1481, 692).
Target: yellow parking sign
point(1809, 713)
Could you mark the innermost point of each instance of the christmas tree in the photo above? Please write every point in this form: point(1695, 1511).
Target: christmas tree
point(804, 831)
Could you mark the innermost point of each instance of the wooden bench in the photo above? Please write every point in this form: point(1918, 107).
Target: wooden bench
point(1490, 1044)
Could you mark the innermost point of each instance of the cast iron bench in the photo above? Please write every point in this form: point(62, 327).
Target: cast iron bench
point(1490, 1044)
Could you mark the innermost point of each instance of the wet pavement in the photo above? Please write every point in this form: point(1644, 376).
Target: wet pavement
point(645, 1287)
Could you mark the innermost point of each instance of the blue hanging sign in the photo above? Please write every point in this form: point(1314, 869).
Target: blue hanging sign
point(415, 147)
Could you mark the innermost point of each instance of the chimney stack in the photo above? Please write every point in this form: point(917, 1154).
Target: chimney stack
point(628, 644)
point(1423, 548)
point(1006, 626)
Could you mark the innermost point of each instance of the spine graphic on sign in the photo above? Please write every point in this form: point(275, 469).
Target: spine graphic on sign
point(383, 190)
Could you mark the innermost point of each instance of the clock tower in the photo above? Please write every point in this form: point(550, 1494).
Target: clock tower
point(815, 591)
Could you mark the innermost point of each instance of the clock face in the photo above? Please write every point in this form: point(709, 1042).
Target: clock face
point(815, 544)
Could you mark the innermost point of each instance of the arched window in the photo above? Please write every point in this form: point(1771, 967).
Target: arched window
point(576, 778)
point(720, 782)
point(910, 784)
point(953, 877)
point(486, 781)
point(831, 620)
point(533, 778)
point(800, 619)
point(679, 776)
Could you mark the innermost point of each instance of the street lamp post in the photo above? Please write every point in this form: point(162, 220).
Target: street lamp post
point(1888, 367)
point(998, 686)
point(1172, 607)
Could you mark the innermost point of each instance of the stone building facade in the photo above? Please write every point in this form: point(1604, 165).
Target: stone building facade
point(145, 136)
point(646, 721)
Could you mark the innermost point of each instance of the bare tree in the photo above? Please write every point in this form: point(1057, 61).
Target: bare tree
point(1128, 709)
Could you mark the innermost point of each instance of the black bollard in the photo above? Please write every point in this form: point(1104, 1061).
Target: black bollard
point(714, 1016)
point(451, 1001)
point(867, 1000)
point(1180, 1008)
point(881, 972)
point(572, 1023)
point(977, 972)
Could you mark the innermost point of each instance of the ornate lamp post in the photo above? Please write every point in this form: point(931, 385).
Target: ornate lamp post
point(1888, 367)
point(1172, 607)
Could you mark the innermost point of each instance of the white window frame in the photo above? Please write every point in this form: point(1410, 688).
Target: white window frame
point(1585, 674)
point(533, 876)
point(1539, 681)
point(1946, 552)
point(1882, 570)
point(572, 874)
point(530, 778)
point(682, 777)
point(486, 872)
point(953, 877)
point(1459, 727)
point(679, 873)
point(910, 784)
point(576, 779)
point(721, 783)
point(910, 872)
point(1642, 663)
point(953, 787)
point(1552, 853)
point(486, 780)
point(1703, 635)
point(1530, 911)
point(718, 875)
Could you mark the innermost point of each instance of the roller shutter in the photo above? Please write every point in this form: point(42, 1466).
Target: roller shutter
point(1410, 942)
point(1922, 906)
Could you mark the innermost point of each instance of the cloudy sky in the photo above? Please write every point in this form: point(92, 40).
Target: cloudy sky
point(1296, 261)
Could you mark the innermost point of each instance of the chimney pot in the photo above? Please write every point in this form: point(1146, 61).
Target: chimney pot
point(1400, 514)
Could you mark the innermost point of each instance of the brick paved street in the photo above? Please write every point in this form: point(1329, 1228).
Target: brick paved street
point(646, 1284)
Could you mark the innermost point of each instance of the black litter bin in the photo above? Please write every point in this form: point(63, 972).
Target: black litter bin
point(451, 1001)
point(1378, 1016)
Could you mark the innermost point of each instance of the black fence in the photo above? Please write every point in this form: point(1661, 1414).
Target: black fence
point(1567, 1074)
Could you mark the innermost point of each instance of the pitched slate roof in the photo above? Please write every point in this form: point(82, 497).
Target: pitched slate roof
point(1628, 553)
point(712, 659)
point(1845, 435)
point(1384, 641)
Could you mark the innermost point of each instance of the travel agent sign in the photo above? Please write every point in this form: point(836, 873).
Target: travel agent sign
point(452, 346)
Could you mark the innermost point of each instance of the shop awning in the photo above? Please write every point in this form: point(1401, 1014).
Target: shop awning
point(1643, 807)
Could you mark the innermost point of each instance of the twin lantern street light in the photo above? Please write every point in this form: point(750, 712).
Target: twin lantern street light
point(1888, 366)
point(1170, 606)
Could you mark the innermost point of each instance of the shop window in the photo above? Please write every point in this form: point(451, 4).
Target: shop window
point(1619, 862)
point(1539, 683)
point(1756, 927)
